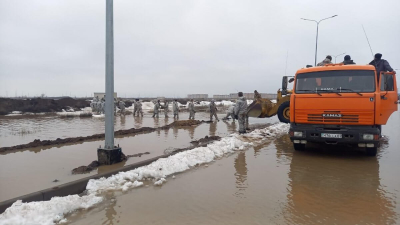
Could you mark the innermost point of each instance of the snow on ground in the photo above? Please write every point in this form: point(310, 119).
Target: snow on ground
point(71, 112)
point(53, 211)
point(46, 212)
point(147, 105)
point(224, 103)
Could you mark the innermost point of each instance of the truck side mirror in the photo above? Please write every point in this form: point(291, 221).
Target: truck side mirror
point(291, 80)
point(284, 85)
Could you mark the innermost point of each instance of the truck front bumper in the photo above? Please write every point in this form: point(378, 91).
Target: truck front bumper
point(362, 136)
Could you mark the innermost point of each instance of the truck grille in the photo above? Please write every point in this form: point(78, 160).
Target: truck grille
point(345, 118)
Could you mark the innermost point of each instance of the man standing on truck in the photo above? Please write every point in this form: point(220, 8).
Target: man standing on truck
point(348, 60)
point(240, 112)
point(381, 65)
point(327, 60)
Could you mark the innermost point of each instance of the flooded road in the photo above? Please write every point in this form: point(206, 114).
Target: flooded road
point(41, 166)
point(269, 184)
point(16, 130)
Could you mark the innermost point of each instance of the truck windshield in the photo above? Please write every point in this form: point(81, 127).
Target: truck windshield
point(336, 81)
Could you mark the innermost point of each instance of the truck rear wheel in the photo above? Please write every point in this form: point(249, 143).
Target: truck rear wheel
point(371, 151)
point(299, 147)
point(284, 112)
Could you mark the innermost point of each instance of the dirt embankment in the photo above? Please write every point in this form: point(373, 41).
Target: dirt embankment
point(38, 105)
point(61, 141)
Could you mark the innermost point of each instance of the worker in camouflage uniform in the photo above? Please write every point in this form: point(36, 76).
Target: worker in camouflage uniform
point(241, 112)
point(175, 109)
point(191, 110)
point(121, 105)
point(138, 107)
point(156, 109)
point(213, 110)
point(166, 110)
point(230, 113)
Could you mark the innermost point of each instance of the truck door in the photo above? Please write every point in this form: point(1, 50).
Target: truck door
point(388, 97)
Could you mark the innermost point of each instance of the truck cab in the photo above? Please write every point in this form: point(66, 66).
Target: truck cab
point(340, 104)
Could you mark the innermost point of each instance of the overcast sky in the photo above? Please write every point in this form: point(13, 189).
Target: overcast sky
point(174, 48)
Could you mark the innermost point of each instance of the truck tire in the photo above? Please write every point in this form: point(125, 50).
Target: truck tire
point(299, 147)
point(284, 112)
point(371, 151)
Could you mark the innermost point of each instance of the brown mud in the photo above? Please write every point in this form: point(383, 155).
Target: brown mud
point(93, 165)
point(202, 142)
point(38, 105)
point(62, 141)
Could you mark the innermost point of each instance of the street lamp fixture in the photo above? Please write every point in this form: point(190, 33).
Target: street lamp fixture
point(316, 40)
point(339, 55)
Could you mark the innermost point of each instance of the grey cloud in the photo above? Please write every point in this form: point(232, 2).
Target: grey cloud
point(173, 48)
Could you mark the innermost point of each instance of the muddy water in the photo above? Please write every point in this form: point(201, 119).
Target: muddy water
point(15, 130)
point(23, 172)
point(23, 129)
point(269, 184)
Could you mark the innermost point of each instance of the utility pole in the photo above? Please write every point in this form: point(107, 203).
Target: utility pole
point(110, 154)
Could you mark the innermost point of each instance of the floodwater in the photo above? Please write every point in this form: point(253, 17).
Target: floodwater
point(29, 170)
point(269, 184)
point(16, 130)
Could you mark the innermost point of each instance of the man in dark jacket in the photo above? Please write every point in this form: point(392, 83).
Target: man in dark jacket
point(381, 65)
point(348, 60)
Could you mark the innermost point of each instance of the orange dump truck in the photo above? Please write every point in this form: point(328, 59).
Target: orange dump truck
point(341, 104)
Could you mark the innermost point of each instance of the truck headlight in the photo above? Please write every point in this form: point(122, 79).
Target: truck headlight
point(369, 137)
point(298, 134)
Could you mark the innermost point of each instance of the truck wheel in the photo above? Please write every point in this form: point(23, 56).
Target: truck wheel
point(284, 112)
point(371, 151)
point(299, 147)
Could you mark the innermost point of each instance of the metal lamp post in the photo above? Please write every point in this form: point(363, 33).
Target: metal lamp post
point(316, 41)
point(339, 55)
point(110, 154)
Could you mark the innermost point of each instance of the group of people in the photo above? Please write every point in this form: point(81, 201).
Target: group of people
point(98, 105)
point(237, 111)
point(158, 106)
point(380, 64)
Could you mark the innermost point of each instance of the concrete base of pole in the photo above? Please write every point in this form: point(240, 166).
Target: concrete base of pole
point(109, 156)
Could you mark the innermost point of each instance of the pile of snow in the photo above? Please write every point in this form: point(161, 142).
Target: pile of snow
point(50, 212)
point(46, 212)
point(225, 103)
point(147, 106)
point(71, 112)
point(202, 103)
point(15, 113)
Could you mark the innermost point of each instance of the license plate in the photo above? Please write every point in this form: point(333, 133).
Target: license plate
point(326, 135)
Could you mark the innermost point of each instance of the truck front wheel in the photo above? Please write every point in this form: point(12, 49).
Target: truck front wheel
point(371, 151)
point(284, 112)
point(299, 147)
